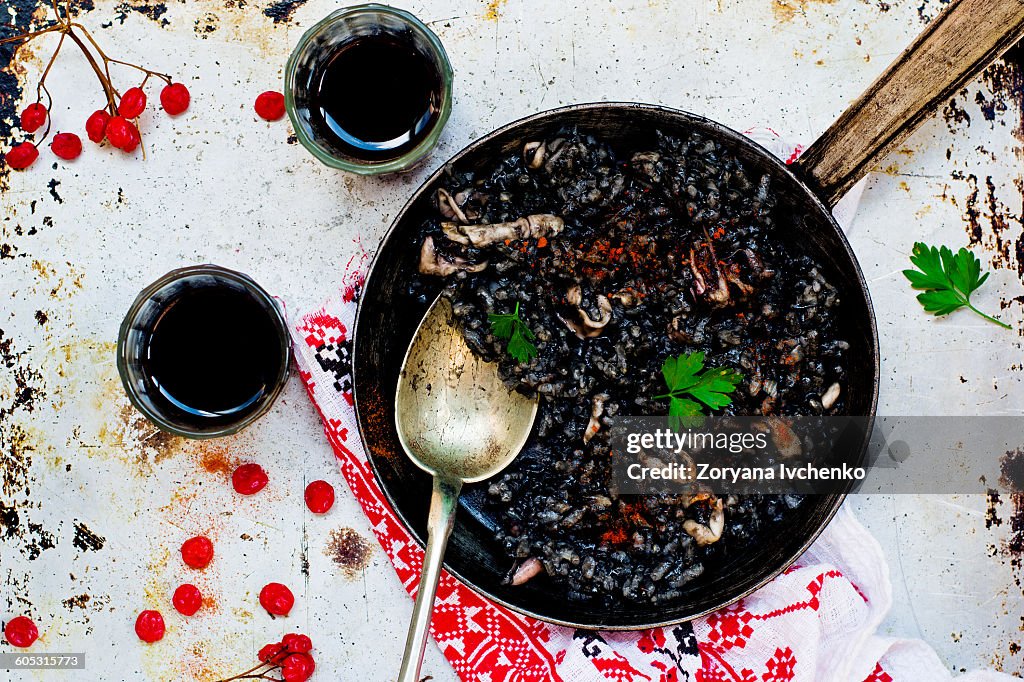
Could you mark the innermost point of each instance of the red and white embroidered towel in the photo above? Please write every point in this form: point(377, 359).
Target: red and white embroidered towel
point(814, 623)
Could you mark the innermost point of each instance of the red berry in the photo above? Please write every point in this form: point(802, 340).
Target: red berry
point(149, 626)
point(298, 672)
point(187, 599)
point(270, 106)
point(22, 156)
point(123, 134)
point(297, 667)
point(197, 552)
point(66, 145)
point(319, 497)
point(21, 632)
point(277, 599)
point(133, 103)
point(249, 479)
point(273, 653)
point(297, 644)
point(175, 99)
point(33, 118)
point(96, 126)
point(135, 140)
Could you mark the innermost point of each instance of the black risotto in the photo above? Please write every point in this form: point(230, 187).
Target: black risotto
point(619, 259)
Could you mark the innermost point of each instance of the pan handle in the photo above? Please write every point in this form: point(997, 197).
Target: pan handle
point(964, 39)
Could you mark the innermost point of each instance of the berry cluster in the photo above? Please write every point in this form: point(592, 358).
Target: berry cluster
point(117, 122)
point(291, 656)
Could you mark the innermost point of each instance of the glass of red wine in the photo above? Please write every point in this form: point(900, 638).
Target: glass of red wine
point(369, 89)
point(203, 351)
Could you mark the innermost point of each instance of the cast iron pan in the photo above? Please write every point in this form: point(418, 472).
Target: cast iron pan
point(876, 123)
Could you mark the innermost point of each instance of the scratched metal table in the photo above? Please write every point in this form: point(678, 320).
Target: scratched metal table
point(96, 503)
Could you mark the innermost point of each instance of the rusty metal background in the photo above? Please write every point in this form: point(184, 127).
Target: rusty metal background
point(94, 502)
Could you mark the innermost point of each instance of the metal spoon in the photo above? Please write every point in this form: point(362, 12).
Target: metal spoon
point(458, 422)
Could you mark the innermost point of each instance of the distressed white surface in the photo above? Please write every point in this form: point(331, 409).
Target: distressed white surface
point(220, 186)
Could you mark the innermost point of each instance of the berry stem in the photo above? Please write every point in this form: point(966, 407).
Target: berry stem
point(105, 83)
point(31, 34)
point(56, 13)
point(108, 60)
point(68, 28)
point(249, 674)
point(41, 88)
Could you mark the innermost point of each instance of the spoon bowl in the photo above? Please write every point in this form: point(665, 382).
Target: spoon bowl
point(454, 415)
point(457, 421)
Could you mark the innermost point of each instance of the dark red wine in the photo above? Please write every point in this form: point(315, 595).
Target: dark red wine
point(376, 98)
point(213, 353)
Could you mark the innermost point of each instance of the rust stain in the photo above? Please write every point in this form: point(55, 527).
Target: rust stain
point(85, 604)
point(21, 387)
point(242, 615)
point(134, 440)
point(1005, 80)
point(1011, 477)
point(61, 287)
point(154, 594)
point(123, 433)
point(1011, 470)
point(786, 10)
point(1014, 546)
point(992, 502)
point(494, 7)
point(207, 24)
point(80, 601)
point(349, 550)
point(991, 224)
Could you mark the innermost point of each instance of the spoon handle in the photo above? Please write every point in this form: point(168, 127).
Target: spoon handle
point(443, 501)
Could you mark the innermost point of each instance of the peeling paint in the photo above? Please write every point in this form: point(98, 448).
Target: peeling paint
point(929, 9)
point(153, 11)
point(86, 540)
point(955, 115)
point(17, 444)
point(282, 10)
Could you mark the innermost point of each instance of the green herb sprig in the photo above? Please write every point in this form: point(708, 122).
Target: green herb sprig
point(947, 280)
point(510, 327)
point(685, 376)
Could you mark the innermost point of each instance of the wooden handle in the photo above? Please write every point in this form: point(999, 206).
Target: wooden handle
point(964, 39)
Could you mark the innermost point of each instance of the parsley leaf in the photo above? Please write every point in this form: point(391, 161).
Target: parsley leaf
point(685, 376)
point(510, 327)
point(947, 280)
